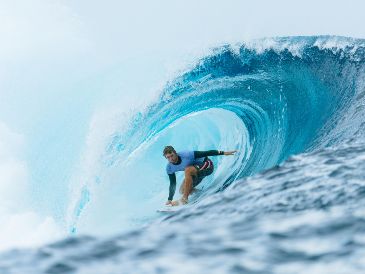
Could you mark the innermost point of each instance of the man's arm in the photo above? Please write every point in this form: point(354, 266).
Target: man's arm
point(172, 187)
point(201, 154)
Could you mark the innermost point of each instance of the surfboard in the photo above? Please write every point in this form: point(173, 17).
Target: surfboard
point(169, 209)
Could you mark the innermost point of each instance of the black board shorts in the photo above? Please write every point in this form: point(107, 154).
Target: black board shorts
point(204, 169)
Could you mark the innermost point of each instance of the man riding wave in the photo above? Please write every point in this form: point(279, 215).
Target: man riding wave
point(196, 166)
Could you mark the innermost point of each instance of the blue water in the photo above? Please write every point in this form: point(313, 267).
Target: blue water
point(291, 201)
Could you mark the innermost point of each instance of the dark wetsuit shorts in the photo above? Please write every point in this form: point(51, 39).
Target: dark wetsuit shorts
point(204, 169)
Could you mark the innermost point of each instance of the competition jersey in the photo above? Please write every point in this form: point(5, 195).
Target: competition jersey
point(187, 159)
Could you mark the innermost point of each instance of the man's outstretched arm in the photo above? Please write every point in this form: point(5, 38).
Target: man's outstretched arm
point(201, 154)
point(172, 187)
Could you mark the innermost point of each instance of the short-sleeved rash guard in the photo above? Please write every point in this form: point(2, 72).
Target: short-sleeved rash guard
point(187, 159)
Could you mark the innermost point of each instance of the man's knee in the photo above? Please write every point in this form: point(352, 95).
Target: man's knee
point(190, 170)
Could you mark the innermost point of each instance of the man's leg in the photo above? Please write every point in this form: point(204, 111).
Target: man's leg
point(197, 180)
point(193, 189)
point(190, 171)
point(182, 187)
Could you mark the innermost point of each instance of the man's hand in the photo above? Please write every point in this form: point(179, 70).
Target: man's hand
point(169, 202)
point(230, 152)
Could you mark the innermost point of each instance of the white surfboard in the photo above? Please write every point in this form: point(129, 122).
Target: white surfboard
point(169, 209)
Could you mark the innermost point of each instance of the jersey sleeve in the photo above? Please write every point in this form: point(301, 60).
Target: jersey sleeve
point(172, 187)
point(201, 154)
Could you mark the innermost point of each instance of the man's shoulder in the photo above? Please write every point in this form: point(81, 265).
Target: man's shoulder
point(185, 153)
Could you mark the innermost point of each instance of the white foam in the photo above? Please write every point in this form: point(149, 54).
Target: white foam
point(27, 229)
point(21, 225)
point(261, 45)
point(296, 45)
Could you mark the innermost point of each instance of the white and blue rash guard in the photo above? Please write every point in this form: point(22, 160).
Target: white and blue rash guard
point(185, 159)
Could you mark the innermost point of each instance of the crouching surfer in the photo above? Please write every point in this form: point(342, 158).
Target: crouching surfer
point(196, 166)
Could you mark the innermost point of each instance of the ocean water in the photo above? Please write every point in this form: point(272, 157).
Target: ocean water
point(291, 201)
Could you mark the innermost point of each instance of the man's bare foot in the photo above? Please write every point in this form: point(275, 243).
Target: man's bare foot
point(184, 201)
point(174, 203)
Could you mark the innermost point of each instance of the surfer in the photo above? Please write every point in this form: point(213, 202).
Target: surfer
point(196, 166)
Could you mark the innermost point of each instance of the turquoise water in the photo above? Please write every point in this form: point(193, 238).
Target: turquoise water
point(291, 201)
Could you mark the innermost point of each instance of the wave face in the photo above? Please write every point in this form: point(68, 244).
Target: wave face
point(296, 96)
point(270, 99)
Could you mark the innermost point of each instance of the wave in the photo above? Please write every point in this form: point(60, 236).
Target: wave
point(269, 99)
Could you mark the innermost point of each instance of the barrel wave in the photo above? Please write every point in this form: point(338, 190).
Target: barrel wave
point(294, 108)
point(268, 99)
point(285, 103)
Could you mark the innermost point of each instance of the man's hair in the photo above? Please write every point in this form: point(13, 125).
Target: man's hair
point(168, 150)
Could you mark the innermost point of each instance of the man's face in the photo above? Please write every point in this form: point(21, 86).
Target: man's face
point(172, 157)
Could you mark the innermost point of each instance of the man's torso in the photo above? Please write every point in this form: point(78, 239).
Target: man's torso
point(187, 159)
